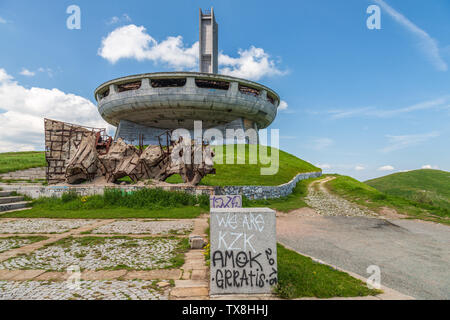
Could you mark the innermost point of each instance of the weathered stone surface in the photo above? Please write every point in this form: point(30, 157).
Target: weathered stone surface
point(76, 154)
point(199, 274)
point(102, 275)
point(243, 251)
point(196, 242)
point(84, 164)
point(227, 201)
point(266, 192)
point(169, 274)
point(26, 275)
point(189, 292)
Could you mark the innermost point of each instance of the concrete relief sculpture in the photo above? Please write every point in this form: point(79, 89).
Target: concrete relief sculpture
point(76, 154)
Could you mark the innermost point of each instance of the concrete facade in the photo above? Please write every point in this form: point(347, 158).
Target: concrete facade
point(172, 100)
point(209, 42)
point(154, 103)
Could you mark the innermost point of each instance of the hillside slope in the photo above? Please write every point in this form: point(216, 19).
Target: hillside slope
point(377, 200)
point(235, 174)
point(14, 161)
point(226, 173)
point(425, 186)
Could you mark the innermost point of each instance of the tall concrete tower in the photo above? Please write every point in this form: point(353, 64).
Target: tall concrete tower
point(150, 104)
point(209, 43)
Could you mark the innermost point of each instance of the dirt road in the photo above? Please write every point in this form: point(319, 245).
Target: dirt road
point(413, 255)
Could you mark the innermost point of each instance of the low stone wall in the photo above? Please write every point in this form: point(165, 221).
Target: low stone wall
point(251, 192)
point(266, 192)
point(37, 191)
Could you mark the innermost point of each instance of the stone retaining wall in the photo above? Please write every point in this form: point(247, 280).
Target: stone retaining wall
point(251, 192)
point(266, 192)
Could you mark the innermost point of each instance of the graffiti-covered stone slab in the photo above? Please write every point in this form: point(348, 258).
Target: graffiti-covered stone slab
point(228, 201)
point(243, 251)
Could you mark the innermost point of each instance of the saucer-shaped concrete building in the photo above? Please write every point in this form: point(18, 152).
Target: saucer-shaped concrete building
point(148, 105)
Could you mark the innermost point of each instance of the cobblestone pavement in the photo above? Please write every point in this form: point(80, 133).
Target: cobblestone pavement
point(14, 242)
point(88, 290)
point(146, 227)
point(41, 225)
point(113, 267)
point(328, 204)
point(97, 254)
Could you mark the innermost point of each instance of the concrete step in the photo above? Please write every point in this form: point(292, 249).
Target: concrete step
point(5, 193)
point(13, 206)
point(15, 210)
point(10, 199)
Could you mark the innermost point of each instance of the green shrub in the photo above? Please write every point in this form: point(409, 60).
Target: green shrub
point(69, 196)
point(116, 198)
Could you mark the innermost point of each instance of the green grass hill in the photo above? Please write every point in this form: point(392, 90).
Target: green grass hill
point(226, 173)
point(14, 161)
point(425, 186)
point(398, 195)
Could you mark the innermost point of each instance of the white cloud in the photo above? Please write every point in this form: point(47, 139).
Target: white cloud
point(283, 105)
point(47, 70)
point(24, 110)
point(440, 103)
point(3, 21)
point(27, 73)
point(322, 143)
point(124, 18)
point(359, 168)
point(429, 166)
point(253, 63)
point(405, 141)
point(133, 42)
point(427, 44)
point(386, 168)
point(324, 166)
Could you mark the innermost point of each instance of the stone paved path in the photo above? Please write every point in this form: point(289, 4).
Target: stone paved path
point(146, 227)
point(87, 290)
point(328, 204)
point(25, 226)
point(413, 255)
point(37, 270)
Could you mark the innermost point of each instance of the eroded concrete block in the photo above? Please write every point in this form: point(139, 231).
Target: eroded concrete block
point(243, 251)
point(196, 242)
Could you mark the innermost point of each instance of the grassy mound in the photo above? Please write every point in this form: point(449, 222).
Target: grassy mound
point(14, 161)
point(365, 195)
point(226, 173)
point(234, 174)
point(425, 186)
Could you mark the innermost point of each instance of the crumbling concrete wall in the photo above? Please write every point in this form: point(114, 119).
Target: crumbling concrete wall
point(76, 154)
point(61, 142)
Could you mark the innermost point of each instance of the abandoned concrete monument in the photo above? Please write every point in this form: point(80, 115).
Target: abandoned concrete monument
point(147, 108)
point(150, 104)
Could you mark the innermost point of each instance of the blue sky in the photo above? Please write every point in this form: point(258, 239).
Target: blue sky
point(360, 102)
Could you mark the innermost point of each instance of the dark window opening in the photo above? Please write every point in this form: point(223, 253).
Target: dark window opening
point(262, 113)
point(212, 84)
point(271, 99)
point(249, 90)
point(104, 94)
point(129, 86)
point(167, 83)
